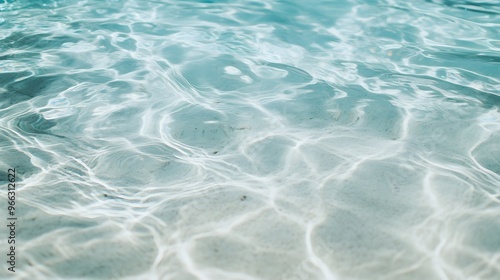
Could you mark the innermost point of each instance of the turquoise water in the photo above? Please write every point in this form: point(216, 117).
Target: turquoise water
point(277, 140)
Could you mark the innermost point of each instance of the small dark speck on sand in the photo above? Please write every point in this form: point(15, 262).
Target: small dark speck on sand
point(216, 152)
point(244, 197)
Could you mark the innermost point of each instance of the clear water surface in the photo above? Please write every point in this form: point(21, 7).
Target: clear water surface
point(252, 139)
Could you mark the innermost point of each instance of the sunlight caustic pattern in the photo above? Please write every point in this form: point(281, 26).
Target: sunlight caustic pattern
point(253, 139)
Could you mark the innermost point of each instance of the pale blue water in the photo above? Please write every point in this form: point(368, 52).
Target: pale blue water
point(252, 139)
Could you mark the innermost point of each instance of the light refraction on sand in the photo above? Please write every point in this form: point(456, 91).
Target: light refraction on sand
point(278, 140)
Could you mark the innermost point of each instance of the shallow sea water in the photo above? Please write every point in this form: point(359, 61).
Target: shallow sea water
point(252, 139)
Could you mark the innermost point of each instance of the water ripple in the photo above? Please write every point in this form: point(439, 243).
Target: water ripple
point(253, 139)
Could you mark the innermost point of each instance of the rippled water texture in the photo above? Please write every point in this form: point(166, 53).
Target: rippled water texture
point(277, 140)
